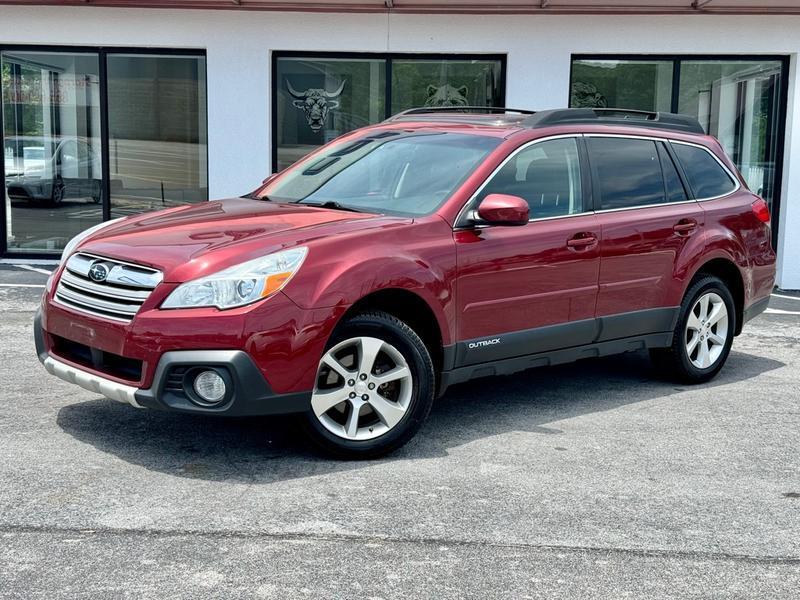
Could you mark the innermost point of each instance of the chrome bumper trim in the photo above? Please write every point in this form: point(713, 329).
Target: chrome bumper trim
point(93, 383)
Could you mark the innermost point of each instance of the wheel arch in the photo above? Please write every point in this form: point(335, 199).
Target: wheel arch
point(726, 270)
point(412, 309)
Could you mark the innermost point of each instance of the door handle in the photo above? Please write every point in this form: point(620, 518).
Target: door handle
point(582, 241)
point(685, 227)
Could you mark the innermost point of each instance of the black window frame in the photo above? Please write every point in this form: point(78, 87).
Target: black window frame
point(388, 57)
point(102, 53)
point(677, 60)
point(665, 152)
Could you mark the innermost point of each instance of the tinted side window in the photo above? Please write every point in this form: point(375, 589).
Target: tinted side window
point(706, 176)
point(628, 172)
point(672, 181)
point(547, 175)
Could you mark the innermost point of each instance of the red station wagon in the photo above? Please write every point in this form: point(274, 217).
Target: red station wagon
point(436, 247)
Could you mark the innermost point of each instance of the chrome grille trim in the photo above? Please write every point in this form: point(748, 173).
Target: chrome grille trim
point(121, 273)
point(85, 285)
point(119, 297)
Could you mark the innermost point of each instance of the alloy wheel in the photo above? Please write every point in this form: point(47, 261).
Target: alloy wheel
point(364, 388)
point(706, 330)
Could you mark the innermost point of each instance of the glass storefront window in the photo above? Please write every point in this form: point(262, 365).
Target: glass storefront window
point(738, 103)
point(51, 138)
point(737, 100)
point(54, 150)
point(318, 98)
point(157, 131)
point(632, 84)
point(418, 82)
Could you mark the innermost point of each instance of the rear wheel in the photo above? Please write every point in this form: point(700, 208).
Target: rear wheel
point(374, 388)
point(703, 335)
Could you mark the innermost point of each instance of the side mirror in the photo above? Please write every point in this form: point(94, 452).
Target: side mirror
point(503, 209)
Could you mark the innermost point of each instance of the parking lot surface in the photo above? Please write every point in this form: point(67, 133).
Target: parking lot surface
point(594, 479)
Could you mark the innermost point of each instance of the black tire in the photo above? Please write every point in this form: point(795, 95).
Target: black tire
point(405, 340)
point(674, 362)
point(58, 193)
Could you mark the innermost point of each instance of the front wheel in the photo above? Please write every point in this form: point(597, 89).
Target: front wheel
point(374, 388)
point(703, 335)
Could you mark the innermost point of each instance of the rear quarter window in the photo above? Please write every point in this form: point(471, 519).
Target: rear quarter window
point(706, 176)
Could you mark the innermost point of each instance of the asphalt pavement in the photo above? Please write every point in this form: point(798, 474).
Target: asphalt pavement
point(589, 480)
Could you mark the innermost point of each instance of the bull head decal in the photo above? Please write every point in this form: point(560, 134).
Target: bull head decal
point(315, 103)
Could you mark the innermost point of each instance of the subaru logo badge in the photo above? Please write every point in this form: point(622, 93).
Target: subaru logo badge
point(98, 272)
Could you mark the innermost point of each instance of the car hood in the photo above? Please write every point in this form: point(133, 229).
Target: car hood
point(191, 241)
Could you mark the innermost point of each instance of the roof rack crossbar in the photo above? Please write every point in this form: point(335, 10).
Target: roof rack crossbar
point(616, 116)
point(421, 110)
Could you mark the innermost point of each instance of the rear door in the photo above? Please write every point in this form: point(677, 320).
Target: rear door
point(531, 288)
point(648, 223)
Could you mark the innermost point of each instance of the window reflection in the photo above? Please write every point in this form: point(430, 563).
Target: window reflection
point(51, 128)
point(737, 102)
point(157, 127)
point(52, 152)
point(633, 84)
point(452, 82)
point(320, 98)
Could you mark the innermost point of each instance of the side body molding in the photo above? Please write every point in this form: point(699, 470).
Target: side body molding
point(562, 343)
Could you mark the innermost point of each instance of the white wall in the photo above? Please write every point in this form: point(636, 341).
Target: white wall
point(238, 46)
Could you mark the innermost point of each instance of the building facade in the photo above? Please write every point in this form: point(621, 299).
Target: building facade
point(111, 111)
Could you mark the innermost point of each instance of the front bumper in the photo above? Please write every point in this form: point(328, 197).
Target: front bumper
point(88, 381)
point(249, 392)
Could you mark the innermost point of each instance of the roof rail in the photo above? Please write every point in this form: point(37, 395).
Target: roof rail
point(421, 110)
point(614, 116)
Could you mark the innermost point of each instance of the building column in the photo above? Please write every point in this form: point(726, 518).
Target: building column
point(789, 227)
point(238, 116)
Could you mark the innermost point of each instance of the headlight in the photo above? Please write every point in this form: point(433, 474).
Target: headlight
point(73, 243)
point(240, 284)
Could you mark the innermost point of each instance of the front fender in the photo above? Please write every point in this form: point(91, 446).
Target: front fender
point(417, 257)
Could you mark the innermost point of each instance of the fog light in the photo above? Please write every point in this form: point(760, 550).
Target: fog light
point(210, 386)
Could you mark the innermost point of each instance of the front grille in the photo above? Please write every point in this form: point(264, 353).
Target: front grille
point(105, 287)
point(105, 362)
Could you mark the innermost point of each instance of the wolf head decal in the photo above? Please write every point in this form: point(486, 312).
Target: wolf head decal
point(446, 95)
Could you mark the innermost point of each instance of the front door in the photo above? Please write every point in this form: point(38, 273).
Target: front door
point(532, 288)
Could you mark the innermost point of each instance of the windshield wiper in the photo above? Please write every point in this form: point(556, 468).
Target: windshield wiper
point(332, 204)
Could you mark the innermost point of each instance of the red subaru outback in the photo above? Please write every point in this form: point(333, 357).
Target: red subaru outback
point(431, 249)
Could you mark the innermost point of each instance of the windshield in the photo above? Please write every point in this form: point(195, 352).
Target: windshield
point(394, 172)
